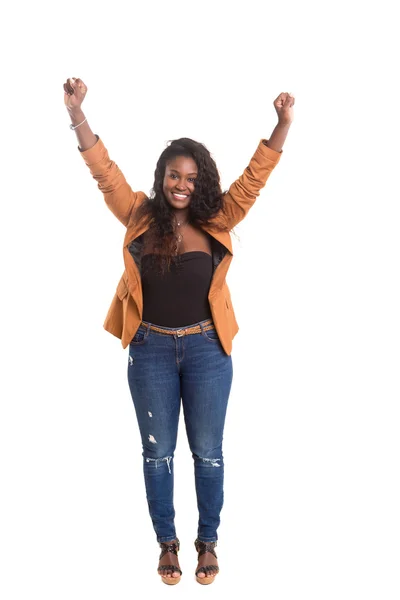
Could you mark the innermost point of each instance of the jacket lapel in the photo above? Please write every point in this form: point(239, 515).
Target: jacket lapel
point(221, 244)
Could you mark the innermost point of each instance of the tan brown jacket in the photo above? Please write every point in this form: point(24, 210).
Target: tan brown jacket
point(126, 310)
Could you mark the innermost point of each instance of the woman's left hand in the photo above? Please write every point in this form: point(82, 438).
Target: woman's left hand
point(284, 107)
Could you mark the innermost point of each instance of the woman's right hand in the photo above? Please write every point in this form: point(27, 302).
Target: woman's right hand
point(74, 93)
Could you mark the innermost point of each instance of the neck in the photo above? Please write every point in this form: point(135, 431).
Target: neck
point(181, 216)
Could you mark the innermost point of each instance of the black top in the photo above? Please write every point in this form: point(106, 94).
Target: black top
point(179, 297)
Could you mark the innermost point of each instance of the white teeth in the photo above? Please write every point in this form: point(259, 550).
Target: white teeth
point(180, 195)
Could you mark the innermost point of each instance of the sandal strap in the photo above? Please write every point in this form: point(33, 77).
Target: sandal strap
point(169, 547)
point(203, 547)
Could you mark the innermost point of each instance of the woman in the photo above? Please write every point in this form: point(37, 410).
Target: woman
point(172, 307)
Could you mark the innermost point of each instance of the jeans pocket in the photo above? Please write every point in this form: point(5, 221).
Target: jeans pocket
point(211, 335)
point(140, 336)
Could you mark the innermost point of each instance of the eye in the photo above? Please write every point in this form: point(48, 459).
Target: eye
point(192, 179)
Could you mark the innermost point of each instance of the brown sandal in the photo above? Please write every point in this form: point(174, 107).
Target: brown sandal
point(202, 548)
point(174, 548)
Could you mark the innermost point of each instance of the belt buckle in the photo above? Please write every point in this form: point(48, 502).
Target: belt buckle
point(180, 332)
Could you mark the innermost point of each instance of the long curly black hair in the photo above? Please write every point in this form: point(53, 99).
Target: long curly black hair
point(207, 200)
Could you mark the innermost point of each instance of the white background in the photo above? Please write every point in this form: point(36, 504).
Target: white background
point(312, 435)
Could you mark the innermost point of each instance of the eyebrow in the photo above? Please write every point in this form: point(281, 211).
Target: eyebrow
point(178, 172)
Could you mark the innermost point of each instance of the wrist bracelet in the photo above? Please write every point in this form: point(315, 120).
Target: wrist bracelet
point(75, 126)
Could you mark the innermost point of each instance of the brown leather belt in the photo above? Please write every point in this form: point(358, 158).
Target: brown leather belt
point(207, 325)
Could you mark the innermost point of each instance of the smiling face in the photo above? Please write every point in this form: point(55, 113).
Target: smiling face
point(178, 184)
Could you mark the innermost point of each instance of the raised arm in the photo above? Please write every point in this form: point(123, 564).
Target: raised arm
point(118, 195)
point(244, 191)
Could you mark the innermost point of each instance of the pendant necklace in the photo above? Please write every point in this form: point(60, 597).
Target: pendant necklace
point(179, 237)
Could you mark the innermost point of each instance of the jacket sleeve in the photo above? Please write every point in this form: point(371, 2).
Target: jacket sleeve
point(118, 194)
point(244, 191)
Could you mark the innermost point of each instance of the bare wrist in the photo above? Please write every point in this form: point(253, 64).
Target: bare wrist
point(284, 124)
point(76, 115)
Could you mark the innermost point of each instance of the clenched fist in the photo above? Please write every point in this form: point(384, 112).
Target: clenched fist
point(284, 107)
point(74, 93)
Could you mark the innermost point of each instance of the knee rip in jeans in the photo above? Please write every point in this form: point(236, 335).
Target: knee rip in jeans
point(156, 461)
point(211, 462)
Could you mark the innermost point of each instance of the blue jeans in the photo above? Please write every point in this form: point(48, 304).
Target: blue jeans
point(162, 370)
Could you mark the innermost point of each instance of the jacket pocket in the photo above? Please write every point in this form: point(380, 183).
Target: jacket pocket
point(122, 289)
point(227, 295)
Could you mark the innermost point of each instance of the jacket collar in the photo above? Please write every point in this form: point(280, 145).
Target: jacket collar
point(222, 237)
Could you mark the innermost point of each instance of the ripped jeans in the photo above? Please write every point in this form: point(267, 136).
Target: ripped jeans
point(162, 371)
